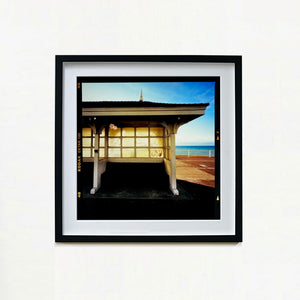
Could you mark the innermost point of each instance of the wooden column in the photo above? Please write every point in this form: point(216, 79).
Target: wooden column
point(172, 175)
point(96, 159)
point(106, 142)
point(96, 184)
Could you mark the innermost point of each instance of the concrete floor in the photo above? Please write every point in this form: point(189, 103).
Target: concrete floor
point(141, 191)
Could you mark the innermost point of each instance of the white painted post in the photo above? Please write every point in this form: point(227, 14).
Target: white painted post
point(188, 153)
point(96, 184)
point(173, 184)
point(209, 153)
point(106, 142)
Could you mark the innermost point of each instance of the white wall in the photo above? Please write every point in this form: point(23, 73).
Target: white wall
point(265, 265)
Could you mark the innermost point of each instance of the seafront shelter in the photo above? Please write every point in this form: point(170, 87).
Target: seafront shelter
point(133, 132)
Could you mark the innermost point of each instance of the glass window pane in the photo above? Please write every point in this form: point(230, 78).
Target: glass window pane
point(114, 152)
point(102, 142)
point(128, 131)
point(114, 142)
point(128, 142)
point(156, 153)
point(86, 152)
point(156, 142)
point(142, 131)
point(128, 152)
point(102, 132)
point(86, 131)
point(142, 142)
point(143, 152)
point(86, 142)
point(114, 132)
point(101, 152)
point(156, 131)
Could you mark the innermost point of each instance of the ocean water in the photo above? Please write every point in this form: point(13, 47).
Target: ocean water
point(195, 150)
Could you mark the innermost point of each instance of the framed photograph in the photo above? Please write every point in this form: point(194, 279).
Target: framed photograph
point(148, 149)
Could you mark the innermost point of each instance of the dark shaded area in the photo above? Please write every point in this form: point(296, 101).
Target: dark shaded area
point(141, 191)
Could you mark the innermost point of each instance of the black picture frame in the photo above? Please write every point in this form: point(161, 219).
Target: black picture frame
point(59, 71)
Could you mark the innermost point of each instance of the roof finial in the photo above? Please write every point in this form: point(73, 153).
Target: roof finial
point(141, 96)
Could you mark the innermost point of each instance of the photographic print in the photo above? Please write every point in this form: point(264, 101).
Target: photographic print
point(148, 148)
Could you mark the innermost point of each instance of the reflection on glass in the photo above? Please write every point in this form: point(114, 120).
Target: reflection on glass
point(86, 152)
point(114, 132)
point(156, 153)
point(86, 131)
point(128, 152)
point(102, 142)
point(142, 131)
point(128, 142)
point(156, 142)
point(127, 131)
point(86, 142)
point(114, 152)
point(142, 142)
point(114, 142)
point(156, 131)
point(101, 152)
point(143, 152)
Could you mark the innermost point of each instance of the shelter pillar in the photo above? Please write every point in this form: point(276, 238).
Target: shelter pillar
point(96, 184)
point(170, 164)
point(172, 175)
point(99, 166)
point(106, 142)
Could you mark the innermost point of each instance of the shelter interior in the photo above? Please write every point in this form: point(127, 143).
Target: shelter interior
point(127, 142)
point(111, 143)
point(133, 132)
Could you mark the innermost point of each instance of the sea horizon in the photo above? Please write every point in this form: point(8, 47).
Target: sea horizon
point(196, 150)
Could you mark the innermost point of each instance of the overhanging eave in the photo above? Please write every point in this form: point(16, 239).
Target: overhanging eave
point(168, 111)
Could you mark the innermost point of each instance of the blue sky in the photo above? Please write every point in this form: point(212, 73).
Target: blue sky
point(197, 132)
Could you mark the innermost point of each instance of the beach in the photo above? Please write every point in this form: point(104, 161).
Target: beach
point(196, 169)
